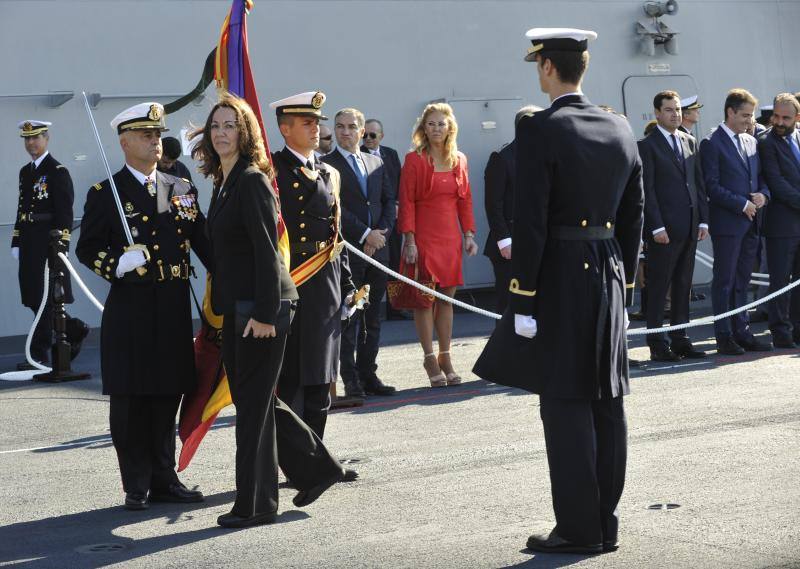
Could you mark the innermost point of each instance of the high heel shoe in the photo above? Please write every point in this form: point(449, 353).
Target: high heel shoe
point(438, 380)
point(452, 377)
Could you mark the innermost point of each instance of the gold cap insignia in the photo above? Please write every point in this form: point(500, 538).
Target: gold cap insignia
point(317, 100)
point(155, 113)
point(27, 127)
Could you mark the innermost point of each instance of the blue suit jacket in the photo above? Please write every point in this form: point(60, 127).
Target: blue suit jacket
point(729, 183)
point(782, 174)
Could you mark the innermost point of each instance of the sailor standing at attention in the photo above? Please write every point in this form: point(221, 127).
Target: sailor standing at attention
point(577, 227)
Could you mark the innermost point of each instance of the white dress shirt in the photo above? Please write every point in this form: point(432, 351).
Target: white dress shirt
point(38, 161)
point(735, 142)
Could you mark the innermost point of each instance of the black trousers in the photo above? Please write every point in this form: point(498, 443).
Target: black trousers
point(143, 433)
point(783, 259)
point(268, 432)
point(587, 452)
point(361, 337)
point(670, 265)
point(310, 402)
point(502, 280)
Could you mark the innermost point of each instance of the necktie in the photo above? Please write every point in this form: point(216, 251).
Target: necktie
point(742, 155)
point(792, 140)
point(150, 187)
point(676, 148)
point(362, 181)
point(310, 165)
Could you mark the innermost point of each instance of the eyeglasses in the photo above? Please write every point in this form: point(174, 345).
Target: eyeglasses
point(372, 135)
point(326, 138)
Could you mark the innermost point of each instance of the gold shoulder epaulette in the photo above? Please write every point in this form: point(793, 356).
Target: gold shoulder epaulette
point(98, 186)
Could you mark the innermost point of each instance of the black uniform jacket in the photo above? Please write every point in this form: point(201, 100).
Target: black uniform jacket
point(146, 334)
point(499, 198)
point(243, 229)
point(376, 210)
point(781, 171)
point(45, 203)
point(308, 207)
point(578, 173)
point(673, 198)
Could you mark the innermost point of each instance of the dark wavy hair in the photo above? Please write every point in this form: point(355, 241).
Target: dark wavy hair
point(251, 143)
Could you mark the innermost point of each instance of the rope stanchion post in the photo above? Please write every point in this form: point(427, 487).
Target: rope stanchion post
point(61, 353)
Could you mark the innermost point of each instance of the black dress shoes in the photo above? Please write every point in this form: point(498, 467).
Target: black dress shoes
point(354, 389)
point(687, 351)
point(375, 386)
point(783, 342)
point(752, 344)
point(136, 501)
point(178, 493)
point(231, 520)
point(349, 475)
point(609, 546)
point(728, 347)
point(306, 497)
point(663, 353)
point(554, 543)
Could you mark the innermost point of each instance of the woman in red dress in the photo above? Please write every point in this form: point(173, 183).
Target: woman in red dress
point(435, 210)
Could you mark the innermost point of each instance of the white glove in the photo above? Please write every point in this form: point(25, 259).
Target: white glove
point(347, 310)
point(15, 253)
point(129, 261)
point(524, 325)
point(626, 318)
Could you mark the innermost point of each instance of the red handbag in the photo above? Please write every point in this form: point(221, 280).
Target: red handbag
point(403, 296)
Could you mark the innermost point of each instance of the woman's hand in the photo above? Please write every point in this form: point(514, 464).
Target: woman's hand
point(410, 253)
point(470, 246)
point(259, 329)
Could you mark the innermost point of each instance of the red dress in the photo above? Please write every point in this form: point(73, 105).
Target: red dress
point(437, 208)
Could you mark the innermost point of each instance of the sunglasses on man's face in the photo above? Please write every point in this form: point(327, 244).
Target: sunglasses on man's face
point(372, 135)
point(326, 138)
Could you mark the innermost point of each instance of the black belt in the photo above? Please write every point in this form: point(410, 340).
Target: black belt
point(307, 247)
point(570, 233)
point(34, 217)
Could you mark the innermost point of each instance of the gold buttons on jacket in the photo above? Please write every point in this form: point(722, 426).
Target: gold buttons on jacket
point(302, 212)
point(145, 218)
point(179, 231)
point(303, 239)
point(156, 247)
point(296, 185)
point(584, 223)
point(586, 266)
point(300, 198)
point(608, 225)
point(302, 226)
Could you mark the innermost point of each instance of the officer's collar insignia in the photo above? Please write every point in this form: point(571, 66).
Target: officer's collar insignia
point(310, 174)
point(155, 113)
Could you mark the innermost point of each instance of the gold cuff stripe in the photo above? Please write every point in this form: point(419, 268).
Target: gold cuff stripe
point(632, 285)
point(514, 287)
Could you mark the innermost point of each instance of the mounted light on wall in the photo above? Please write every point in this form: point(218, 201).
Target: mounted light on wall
point(654, 32)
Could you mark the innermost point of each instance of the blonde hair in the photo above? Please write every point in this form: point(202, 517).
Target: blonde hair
point(419, 140)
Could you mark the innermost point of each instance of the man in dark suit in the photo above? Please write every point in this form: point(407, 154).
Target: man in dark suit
point(146, 354)
point(736, 192)
point(45, 204)
point(499, 203)
point(577, 229)
point(676, 217)
point(310, 205)
point(368, 217)
point(780, 158)
point(373, 136)
point(170, 161)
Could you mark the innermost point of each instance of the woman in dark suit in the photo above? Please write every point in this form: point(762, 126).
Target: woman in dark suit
point(254, 292)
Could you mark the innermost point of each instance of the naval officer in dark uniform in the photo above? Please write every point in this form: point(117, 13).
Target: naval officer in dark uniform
point(577, 227)
point(45, 204)
point(146, 355)
point(309, 191)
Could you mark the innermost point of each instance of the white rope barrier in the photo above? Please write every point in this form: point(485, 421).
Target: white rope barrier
point(639, 332)
point(83, 286)
point(27, 375)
